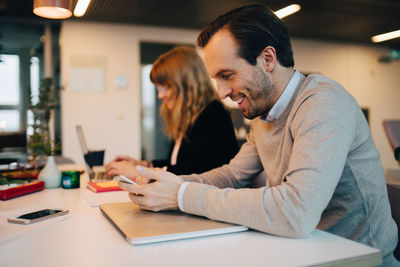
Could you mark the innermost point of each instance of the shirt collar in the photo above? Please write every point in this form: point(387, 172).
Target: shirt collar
point(284, 99)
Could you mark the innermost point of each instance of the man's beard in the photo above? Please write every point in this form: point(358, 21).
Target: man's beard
point(259, 99)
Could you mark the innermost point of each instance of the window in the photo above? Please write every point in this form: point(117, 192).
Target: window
point(21, 67)
point(34, 85)
point(10, 102)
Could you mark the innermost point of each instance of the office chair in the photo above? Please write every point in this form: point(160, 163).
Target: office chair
point(392, 130)
point(394, 199)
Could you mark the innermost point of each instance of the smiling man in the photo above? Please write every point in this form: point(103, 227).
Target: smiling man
point(307, 133)
point(249, 85)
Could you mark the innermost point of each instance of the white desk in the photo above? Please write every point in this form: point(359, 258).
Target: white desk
point(86, 238)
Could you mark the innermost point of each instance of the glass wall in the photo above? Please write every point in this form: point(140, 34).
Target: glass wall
point(21, 72)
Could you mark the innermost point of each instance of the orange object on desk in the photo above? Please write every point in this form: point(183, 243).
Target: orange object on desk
point(105, 186)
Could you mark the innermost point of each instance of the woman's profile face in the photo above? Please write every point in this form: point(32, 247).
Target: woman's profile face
point(166, 94)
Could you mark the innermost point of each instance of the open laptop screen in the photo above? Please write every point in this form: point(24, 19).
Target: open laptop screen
point(92, 158)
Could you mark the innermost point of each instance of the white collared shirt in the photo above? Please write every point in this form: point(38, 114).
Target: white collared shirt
point(177, 146)
point(284, 99)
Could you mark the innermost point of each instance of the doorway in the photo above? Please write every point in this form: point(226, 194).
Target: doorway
point(154, 143)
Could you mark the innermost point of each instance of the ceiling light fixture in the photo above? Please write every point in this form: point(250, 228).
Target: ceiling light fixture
point(286, 11)
point(81, 7)
point(52, 9)
point(385, 36)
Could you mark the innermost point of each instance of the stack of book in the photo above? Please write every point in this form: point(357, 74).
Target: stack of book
point(19, 182)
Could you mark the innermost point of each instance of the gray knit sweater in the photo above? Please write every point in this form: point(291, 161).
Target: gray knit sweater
point(323, 172)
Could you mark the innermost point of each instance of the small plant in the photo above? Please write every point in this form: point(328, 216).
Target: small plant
point(39, 140)
point(40, 144)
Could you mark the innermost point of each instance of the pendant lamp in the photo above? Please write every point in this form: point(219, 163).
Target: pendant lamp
point(52, 9)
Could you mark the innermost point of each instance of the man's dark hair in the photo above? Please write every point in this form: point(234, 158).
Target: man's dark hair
point(254, 27)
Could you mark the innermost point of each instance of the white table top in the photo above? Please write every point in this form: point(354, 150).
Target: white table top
point(86, 238)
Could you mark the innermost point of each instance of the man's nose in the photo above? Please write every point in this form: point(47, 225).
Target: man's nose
point(223, 90)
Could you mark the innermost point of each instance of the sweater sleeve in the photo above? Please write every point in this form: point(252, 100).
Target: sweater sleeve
point(322, 128)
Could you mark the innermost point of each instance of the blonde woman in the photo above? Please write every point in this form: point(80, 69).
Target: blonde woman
point(195, 119)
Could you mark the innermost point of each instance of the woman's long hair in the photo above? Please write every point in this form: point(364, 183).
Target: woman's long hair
point(182, 71)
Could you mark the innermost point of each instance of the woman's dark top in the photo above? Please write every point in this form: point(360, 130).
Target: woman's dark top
point(208, 144)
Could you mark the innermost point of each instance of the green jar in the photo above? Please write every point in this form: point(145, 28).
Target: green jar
point(70, 179)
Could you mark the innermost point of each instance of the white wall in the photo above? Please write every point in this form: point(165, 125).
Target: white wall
point(111, 119)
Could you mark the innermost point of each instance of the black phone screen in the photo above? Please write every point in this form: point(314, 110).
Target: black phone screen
point(38, 214)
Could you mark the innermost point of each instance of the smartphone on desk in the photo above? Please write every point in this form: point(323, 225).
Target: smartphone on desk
point(37, 216)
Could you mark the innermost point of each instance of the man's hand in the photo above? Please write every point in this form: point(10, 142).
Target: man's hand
point(162, 194)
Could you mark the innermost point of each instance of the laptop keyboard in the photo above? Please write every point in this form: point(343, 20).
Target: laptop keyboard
point(100, 176)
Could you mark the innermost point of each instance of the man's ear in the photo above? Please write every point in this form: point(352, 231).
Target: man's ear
point(269, 59)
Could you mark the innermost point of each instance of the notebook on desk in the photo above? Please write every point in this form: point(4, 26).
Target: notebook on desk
point(142, 227)
point(96, 173)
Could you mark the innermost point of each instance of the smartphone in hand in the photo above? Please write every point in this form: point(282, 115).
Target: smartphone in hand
point(121, 178)
point(37, 216)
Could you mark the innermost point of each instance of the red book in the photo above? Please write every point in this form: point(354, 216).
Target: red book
point(21, 190)
point(106, 186)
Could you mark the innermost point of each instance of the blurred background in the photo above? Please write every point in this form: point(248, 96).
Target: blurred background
point(99, 64)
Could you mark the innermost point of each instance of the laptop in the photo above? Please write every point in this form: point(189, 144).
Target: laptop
point(93, 159)
point(142, 227)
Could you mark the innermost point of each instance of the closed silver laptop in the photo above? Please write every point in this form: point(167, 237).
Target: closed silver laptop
point(141, 227)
